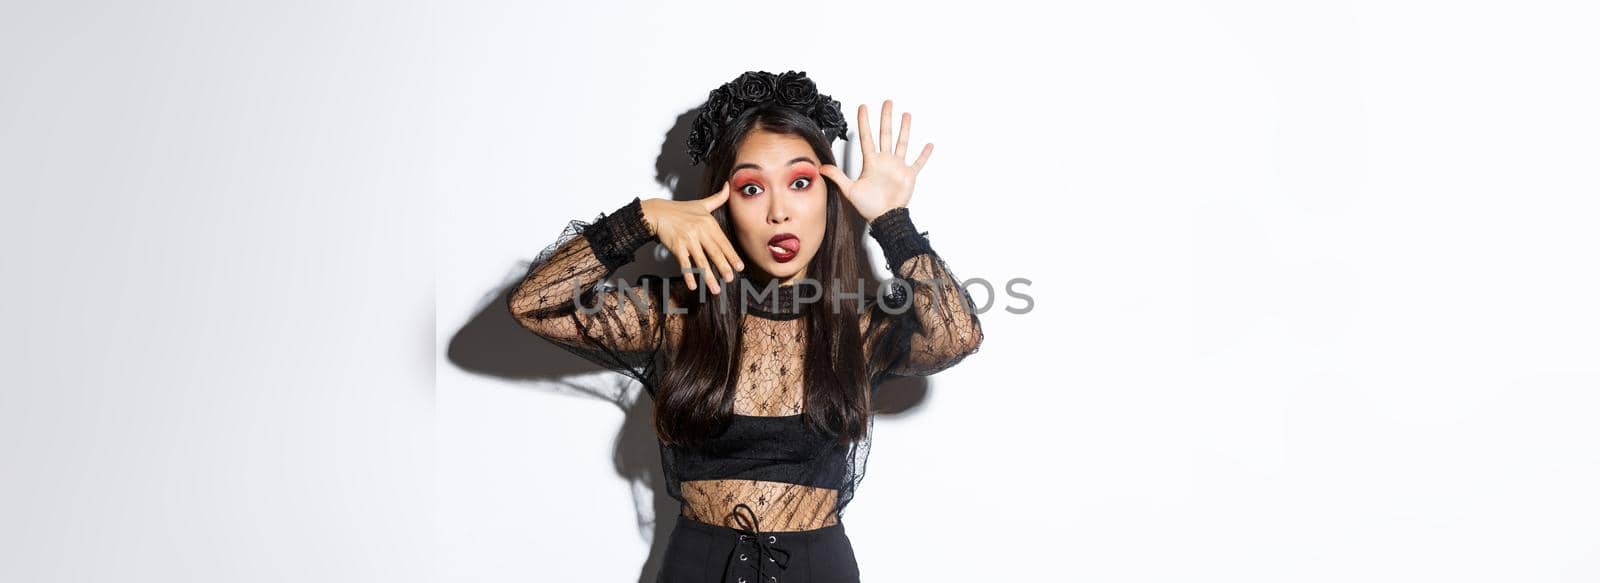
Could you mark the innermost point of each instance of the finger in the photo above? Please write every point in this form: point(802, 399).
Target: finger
point(901, 142)
point(683, 265)
point(705, 266)
point(884, 126)
point(836, 174)
point(717, 199)
point(927, 150)
point(719, 257)
point(864, 130)
point(728, 250)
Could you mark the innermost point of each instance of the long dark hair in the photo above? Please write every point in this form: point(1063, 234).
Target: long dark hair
point(696, 394)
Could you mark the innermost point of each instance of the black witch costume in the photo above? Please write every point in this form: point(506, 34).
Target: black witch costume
point(761, 499)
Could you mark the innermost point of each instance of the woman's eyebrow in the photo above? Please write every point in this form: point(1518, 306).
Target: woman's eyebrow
point(791, 163)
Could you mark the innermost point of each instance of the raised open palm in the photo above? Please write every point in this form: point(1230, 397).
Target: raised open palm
point(886, 181)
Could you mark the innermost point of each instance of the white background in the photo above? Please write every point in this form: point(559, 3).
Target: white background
point(1313, 286)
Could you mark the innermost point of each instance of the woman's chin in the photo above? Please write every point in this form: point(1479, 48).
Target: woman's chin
point(782, 271)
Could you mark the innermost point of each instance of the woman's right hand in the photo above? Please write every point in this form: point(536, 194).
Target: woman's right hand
point(688, 230)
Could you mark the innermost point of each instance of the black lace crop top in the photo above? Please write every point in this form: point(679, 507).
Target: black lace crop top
point(766, 457)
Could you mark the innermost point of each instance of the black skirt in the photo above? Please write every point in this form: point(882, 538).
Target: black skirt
point(698, 552)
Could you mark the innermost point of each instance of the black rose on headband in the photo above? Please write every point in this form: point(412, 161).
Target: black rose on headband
point(719, 106)
point(756, 88)
point(795, 90)
point(830, 117)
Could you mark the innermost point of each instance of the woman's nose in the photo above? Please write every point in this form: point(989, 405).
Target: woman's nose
point(776, 213)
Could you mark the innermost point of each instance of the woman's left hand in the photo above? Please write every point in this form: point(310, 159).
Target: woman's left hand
point(885, 181)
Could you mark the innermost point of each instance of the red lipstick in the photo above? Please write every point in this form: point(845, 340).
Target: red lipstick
point(784, 247)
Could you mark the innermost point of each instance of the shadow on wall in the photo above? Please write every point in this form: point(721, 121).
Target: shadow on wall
point(492, 343)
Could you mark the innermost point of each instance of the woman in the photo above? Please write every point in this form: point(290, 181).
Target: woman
point(762, 386)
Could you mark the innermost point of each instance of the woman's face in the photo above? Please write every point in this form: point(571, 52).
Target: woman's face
point(778, 203)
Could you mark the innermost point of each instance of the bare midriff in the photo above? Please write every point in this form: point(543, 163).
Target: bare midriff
point(778, 506)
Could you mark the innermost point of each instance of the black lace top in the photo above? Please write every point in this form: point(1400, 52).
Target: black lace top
point(794, 478)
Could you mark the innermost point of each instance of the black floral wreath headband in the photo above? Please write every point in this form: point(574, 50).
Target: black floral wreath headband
point(756, 88)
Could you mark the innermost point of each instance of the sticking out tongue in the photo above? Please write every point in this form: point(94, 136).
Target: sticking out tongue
point(791, 245)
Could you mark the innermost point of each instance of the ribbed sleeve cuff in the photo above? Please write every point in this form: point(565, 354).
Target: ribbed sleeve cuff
point(615, 237)
point(898, 237)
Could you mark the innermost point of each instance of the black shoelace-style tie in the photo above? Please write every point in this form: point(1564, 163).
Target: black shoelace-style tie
point(757, 546)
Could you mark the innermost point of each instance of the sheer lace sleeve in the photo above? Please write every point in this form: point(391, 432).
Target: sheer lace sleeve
point(566, 298)
point(939, 327)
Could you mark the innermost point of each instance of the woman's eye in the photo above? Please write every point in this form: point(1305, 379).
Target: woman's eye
point(750, 189)
point(802, 181)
